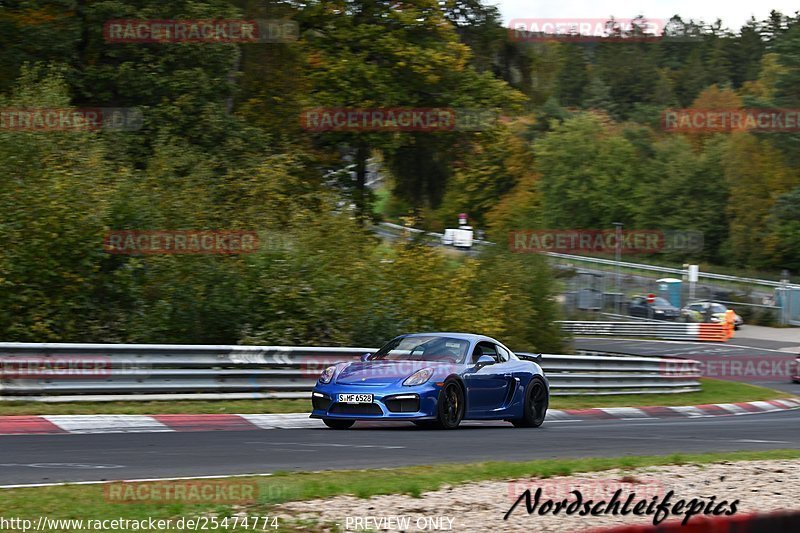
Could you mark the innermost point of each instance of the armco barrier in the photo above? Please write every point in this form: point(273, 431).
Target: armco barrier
point(777, 522)
point(656, 330)
point(396, 229)
point(105, 372)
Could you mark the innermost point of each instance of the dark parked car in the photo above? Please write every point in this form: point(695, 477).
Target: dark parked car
point(660, 309)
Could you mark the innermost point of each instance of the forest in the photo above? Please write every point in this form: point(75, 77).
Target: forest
point(580, 143)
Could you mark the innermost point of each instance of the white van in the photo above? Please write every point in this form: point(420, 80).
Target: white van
point(460, 238)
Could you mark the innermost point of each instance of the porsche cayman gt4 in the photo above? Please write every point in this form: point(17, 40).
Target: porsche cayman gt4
point(434, 380)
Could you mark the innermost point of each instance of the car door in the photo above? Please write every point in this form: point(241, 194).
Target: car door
point(636, 307)
point(488, 387)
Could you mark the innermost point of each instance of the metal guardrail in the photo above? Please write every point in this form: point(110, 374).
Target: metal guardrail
point(628, 318)
point(139, 372)
point(788, 315)
point(397, 229)
point(611, 262)
point(656, 330)
point(667, 270)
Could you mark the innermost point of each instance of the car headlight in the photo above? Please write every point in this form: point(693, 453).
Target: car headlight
point(327, 374)
point(659, 312)
point(419, 377)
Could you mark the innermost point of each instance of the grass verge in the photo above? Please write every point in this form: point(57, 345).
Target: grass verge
point(89, 501)
point(714, 391)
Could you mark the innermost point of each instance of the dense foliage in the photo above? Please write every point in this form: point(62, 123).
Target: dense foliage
point(222, 147)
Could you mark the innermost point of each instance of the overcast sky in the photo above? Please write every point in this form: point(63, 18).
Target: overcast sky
point(734, 13)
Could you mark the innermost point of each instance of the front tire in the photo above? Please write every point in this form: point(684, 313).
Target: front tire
point(535, 407)
point(450, 406)
point(338, 424)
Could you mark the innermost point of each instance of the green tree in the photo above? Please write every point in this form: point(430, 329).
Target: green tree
point(573, 76)
point(380, 54)
point(783, 242)
point(757, 176)
point(683, 190)
point(629, 72)
point(485, 175)
point(55, 190)
point(588, 170)
point(745, 54)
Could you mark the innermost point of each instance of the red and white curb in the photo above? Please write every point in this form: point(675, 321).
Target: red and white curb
point(83, 424)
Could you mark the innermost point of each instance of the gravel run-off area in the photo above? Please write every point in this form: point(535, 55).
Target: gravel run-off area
point(759, 486)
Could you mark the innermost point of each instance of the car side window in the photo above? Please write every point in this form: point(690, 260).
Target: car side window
point(484, 348)
point(502, 354)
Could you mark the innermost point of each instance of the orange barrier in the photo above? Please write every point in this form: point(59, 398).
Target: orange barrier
point(715, 332)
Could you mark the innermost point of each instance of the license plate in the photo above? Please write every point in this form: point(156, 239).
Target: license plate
point(355, 398)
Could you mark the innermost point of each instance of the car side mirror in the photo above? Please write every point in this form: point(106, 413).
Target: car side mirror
point(484, 360)
point(366, 356)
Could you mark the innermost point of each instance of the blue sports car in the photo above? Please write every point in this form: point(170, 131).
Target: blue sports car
point(434, 380)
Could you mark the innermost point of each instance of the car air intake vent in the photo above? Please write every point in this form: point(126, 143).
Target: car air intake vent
point(356, 409)
point(404, 405)
point(321, 403)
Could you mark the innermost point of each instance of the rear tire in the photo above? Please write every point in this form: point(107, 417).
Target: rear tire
point(338, 424)
point(450, 406)
point(535, 407)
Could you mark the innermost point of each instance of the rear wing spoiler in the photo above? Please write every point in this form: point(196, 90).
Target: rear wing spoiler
point(535, 357)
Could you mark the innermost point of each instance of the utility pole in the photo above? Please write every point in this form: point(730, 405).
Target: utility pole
point(618, 255)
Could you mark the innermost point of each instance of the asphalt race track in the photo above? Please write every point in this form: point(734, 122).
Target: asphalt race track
point(31, 459)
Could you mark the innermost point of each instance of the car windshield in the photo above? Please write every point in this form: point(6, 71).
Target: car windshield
point(718, 308)
point(662, 302)
point(424, 348)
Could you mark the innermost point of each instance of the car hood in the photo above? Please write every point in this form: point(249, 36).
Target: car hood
point(386, 372)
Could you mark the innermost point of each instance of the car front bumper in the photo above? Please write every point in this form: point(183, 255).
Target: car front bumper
point(388, 403)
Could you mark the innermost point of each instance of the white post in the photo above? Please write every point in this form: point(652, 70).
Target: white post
point(694, 273)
